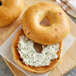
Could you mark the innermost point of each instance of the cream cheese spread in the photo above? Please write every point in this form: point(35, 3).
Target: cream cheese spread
point(31, 57)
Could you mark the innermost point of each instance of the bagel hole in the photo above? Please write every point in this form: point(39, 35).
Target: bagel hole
point(45, 22)
point(0, 3)
point(38, 47)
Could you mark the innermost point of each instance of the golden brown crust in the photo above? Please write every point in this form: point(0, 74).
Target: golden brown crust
point(59, 24)
point(18, 60)
point(9, 11)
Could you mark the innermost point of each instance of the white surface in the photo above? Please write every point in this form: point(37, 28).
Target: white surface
point(6, 51)
point(71, 4)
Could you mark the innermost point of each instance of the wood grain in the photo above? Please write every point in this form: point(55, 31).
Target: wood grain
point(67, 62)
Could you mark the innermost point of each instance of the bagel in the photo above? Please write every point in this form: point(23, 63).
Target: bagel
point(9, 11)
point(46, 35)
point(19, 60)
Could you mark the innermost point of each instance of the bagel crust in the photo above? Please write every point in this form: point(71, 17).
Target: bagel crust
point(19, 61)
point(52, 34)
point(9, 11)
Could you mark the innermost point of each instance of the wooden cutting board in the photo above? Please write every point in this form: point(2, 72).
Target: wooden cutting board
point(67, 62)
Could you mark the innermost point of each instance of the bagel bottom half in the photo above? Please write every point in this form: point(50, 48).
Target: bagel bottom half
point(19, 61)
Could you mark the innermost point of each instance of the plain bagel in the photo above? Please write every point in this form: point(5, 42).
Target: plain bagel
point(54, 33)
point(9, 11)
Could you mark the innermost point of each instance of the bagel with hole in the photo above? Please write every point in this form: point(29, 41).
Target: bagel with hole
point(34, 69)
point(9, 11)
point(55, 32)
point(30, 49)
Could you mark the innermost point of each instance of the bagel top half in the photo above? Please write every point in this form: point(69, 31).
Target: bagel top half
point(54, 33)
